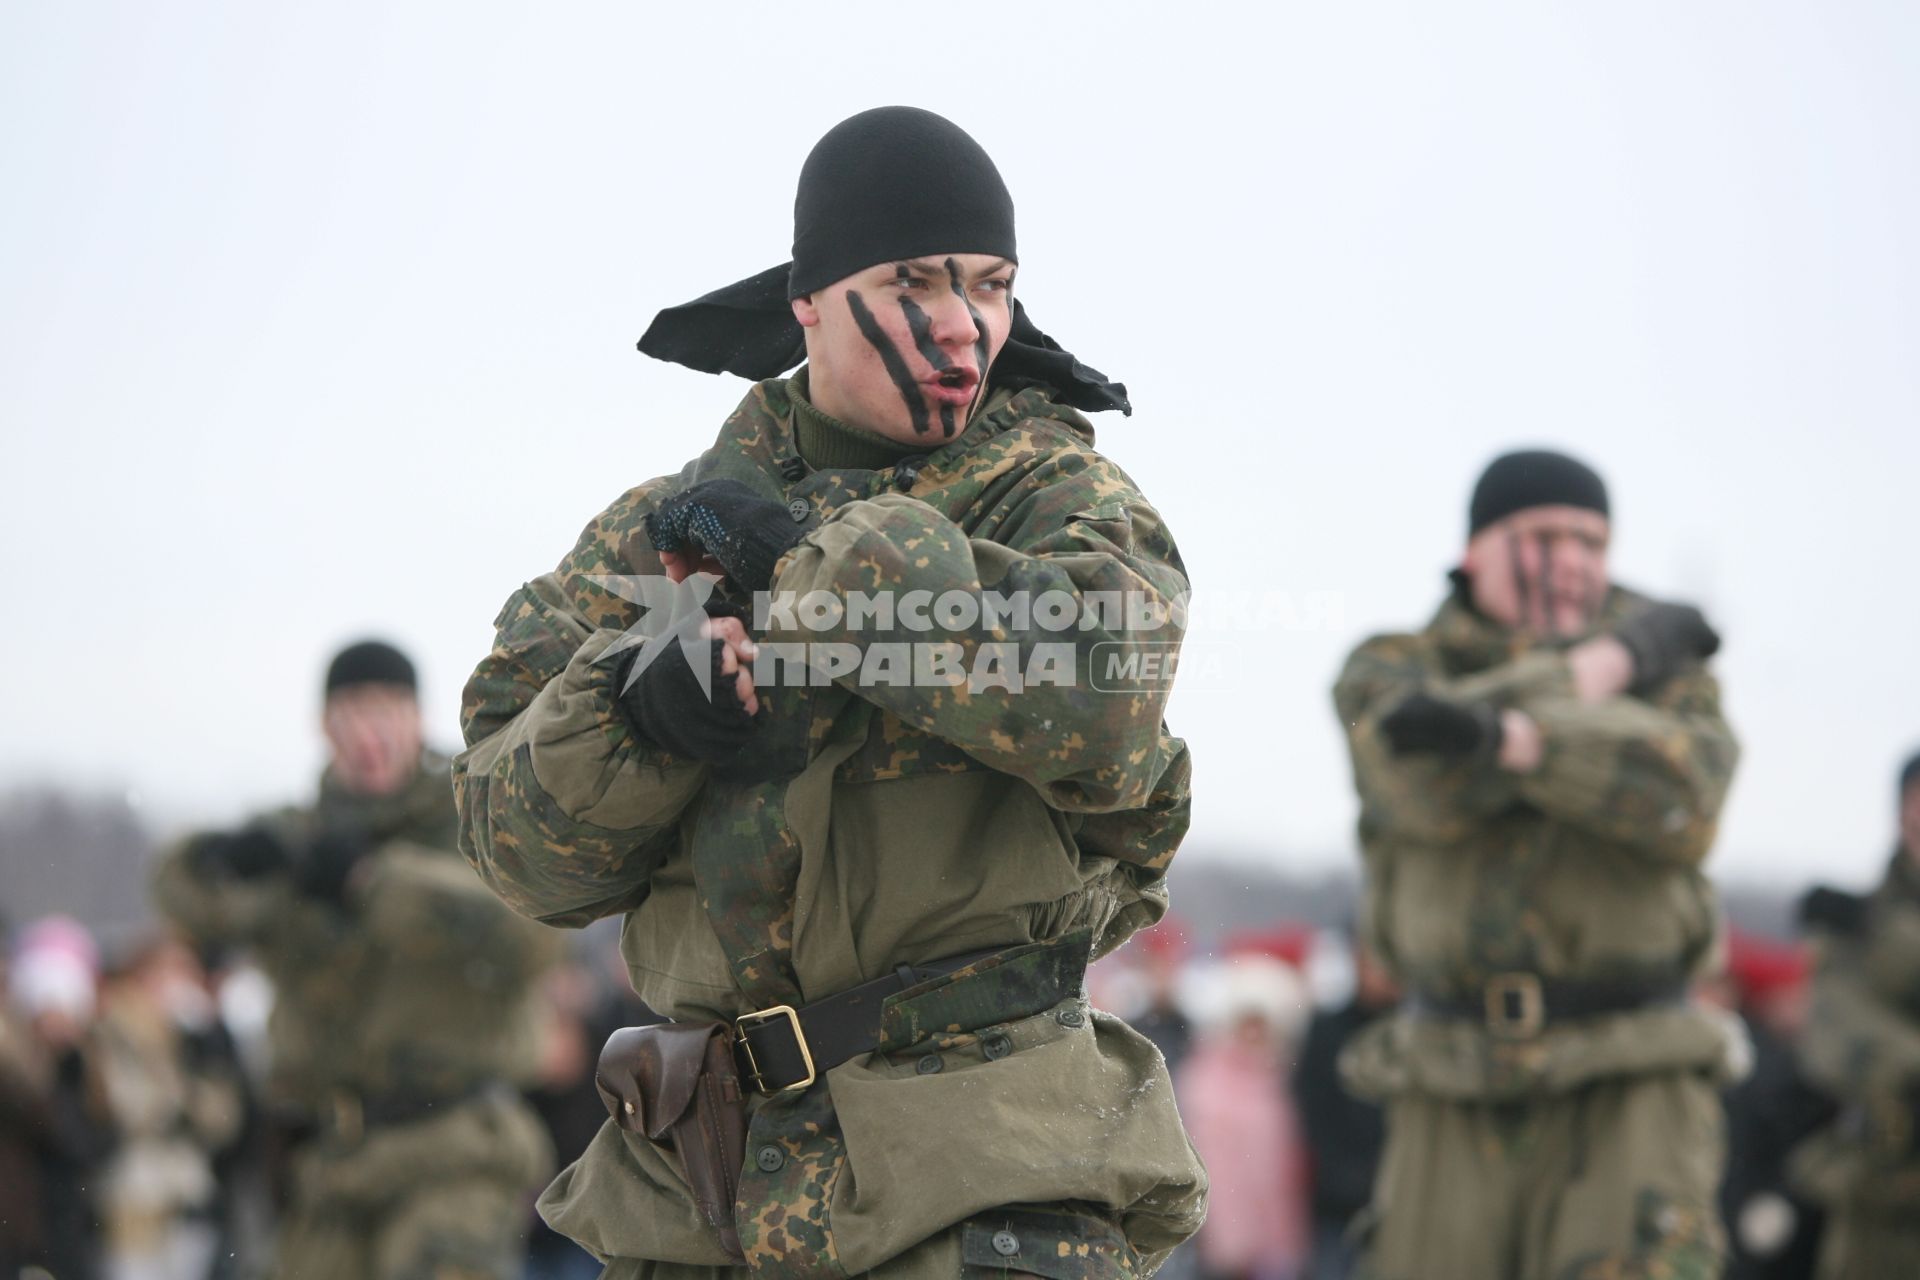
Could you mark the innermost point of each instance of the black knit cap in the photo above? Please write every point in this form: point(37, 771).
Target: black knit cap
point(1533, 478)
point(1910, 773)
point(370, 662)
point(887, 184)
point(893, 183)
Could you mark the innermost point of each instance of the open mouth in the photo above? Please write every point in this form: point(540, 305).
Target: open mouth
point(961, 379)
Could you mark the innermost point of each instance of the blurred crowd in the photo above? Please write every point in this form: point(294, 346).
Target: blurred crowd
point(1253, 1030)
point(135, 1143)
point(136, 1139)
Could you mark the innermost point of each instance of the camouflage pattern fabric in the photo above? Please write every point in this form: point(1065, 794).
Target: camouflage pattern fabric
point(438, 1199)
point(866, 827)
point(1862, 1045)
point(1067, 1241)
point(1616, 1182)
point(1586, 869)
point(419, 985)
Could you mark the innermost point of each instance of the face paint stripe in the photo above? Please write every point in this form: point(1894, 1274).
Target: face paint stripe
point(1549, 614)
point(980, 344)
point(920, 325)
point(1522, 595)
point(896, 367)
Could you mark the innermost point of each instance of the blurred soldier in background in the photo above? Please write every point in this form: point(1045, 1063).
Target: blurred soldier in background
point(404, 1002)
point(1540, 773)
point(1863, 1046)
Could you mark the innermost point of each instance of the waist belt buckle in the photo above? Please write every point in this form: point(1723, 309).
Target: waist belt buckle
point(1516, 1007)
point(792, 1016)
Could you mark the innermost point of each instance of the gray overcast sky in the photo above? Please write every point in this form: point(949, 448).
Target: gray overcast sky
point(318, 320)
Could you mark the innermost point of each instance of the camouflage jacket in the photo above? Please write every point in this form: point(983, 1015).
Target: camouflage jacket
point(421, 984)
point(870, 826)
point(1587, 869)
point(1862, 1045)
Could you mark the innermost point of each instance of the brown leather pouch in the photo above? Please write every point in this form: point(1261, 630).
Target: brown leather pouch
point(675, 1082)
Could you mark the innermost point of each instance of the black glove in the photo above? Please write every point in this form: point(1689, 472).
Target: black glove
point(1425, 725)
point(667, 709)
point(745, 532)
point(251, 854)
point(329, 861)
point(1663, 638)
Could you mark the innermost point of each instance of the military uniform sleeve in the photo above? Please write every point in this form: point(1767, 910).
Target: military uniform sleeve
point(1648, 775)
point(1086, 536)
point(1859, 1046)
point(563, 811)
point(1141, 843)
point(210, 906)
point(1426, 798)
point(426, 908)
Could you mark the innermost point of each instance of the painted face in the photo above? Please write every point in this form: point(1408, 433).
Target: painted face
point(903, 348)
point(1542, 570)
point(374, 731)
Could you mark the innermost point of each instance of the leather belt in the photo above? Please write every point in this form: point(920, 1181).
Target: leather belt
point(1519, 1006)
point(349, 1115)
point(789, 1048)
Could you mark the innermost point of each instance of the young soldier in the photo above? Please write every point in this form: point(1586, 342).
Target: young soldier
point(1863, 1046)
point(881, 891)
point(403, 1000)
point(1540, 771)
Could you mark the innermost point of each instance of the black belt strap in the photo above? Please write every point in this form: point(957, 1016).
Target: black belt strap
point(349, 1114)
point(1518, 1006)
point(787, 1048)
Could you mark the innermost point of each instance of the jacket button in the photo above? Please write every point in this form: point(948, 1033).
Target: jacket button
point(1071, 1017)
point(799, 509)
point(929, 1065)
point(1005, 1243)
point(996, 1048)
point(770, 1159)
point(792, 469)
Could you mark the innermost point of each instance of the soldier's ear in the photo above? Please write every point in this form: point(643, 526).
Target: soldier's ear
point(805, 312)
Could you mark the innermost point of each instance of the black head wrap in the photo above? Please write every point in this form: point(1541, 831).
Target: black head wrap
point(1910, 773)
point(887, 184)
point(370, 662)
point(1533, 478)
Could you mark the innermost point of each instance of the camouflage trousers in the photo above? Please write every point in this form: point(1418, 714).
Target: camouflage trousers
point(447, 1198)
point(1056, 1242)
point(1616, 1180)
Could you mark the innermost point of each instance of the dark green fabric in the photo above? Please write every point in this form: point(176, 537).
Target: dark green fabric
point(826, 441)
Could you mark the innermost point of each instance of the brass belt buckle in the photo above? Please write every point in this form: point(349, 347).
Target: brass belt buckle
point(1516, 1007)
point(792, 1015)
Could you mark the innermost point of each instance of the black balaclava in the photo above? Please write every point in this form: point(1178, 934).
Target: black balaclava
point(370, 662)
point(887, 184)
point(1533, 478)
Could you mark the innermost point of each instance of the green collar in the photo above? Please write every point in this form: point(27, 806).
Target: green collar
point(419, 802)
point(827, 443)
